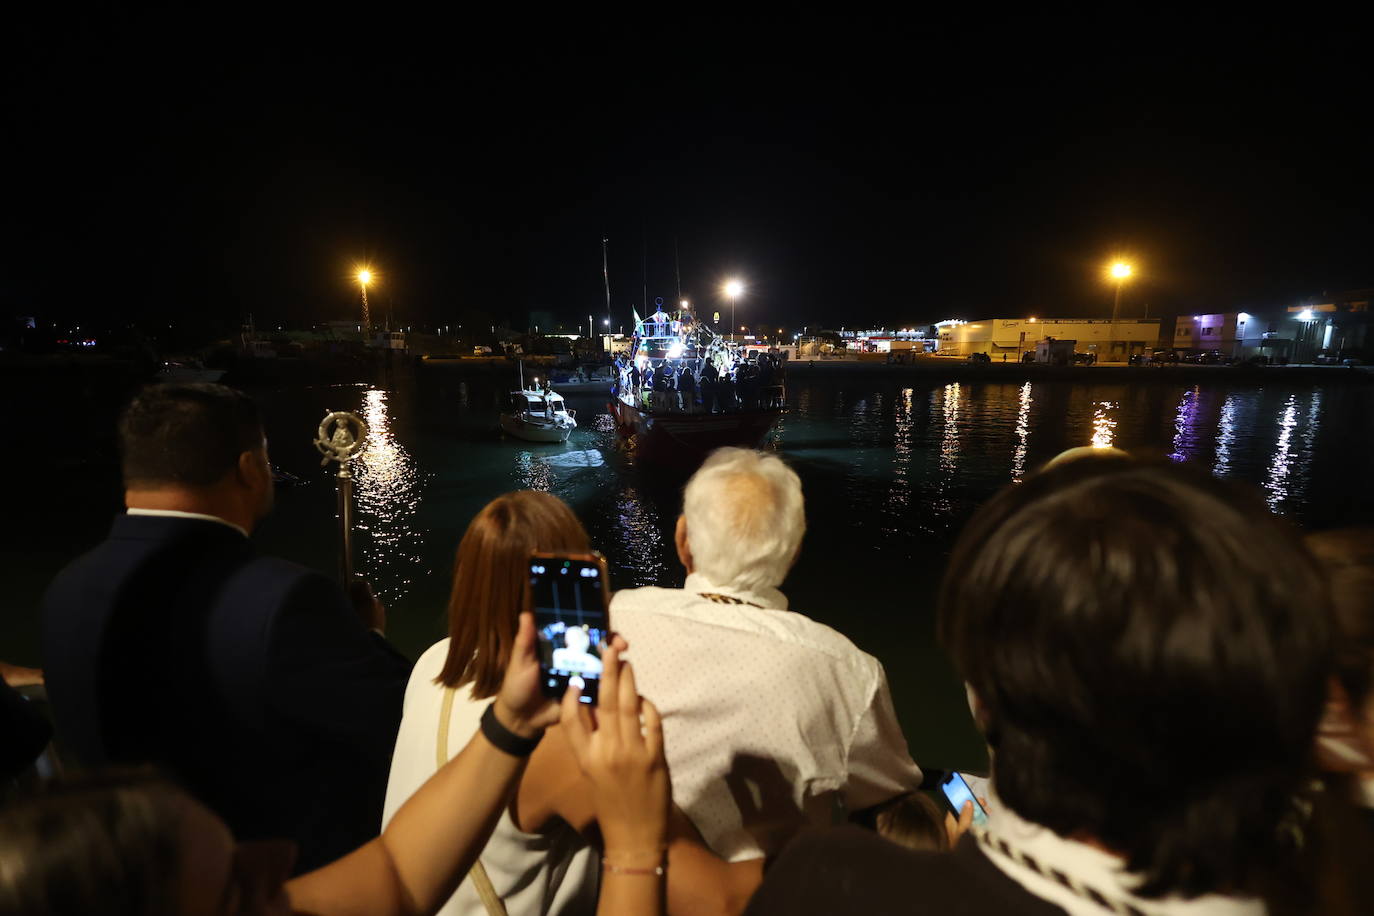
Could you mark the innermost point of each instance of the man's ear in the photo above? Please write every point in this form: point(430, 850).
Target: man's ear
point(684, 550)
point(248, 471)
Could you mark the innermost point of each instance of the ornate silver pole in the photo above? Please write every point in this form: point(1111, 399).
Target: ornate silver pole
point(341, 436)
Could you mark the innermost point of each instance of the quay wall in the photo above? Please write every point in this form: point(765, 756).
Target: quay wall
point(958, 371)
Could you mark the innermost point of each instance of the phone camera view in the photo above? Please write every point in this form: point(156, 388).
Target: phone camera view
point(570, 619)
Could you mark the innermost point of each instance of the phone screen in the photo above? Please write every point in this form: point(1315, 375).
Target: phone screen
point(958, 792)
point(568, 597)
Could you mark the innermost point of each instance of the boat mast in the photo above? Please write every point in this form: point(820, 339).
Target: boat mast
point(606, 275)
point(522, 375)
point(677, 268)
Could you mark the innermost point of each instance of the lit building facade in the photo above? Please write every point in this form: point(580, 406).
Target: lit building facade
point(883, 340)
point(1223, 332)
point(1318, 331)
point(1108, 340)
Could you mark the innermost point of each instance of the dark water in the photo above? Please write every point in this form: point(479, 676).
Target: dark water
point(890, 473)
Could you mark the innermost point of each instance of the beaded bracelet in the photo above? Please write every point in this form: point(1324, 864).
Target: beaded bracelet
point(656, 871)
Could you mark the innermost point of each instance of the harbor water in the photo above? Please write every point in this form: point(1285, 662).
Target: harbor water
point(890, 470)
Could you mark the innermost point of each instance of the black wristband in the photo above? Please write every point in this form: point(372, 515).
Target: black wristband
point(504, 739)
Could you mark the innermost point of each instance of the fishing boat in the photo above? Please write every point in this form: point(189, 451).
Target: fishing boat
point(187, 370)
point(686, 390)
point(585, 380)
point(537, 414)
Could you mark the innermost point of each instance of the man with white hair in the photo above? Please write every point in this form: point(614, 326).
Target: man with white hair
point(771, 720)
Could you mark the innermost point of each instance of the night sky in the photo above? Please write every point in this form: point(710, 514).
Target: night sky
point(851, 171)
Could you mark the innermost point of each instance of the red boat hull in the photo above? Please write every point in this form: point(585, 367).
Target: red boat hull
point(687, 437)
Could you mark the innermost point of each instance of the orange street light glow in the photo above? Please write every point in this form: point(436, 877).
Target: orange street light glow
point(364, 276)
point(1121, 270)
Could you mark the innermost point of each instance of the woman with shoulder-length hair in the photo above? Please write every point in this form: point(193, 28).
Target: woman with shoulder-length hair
point(553, 871)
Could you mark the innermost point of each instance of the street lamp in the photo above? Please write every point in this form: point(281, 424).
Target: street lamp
point(1120, 271)
point(732, 290)
point(364, 278)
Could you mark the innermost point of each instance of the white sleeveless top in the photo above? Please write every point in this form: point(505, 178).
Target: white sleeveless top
point(554, 872)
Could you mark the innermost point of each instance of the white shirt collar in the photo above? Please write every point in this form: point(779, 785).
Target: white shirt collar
point(763, 597)
point(174, 513)
point(1090, 866)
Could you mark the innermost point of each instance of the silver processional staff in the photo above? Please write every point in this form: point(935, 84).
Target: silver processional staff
point(341, 436)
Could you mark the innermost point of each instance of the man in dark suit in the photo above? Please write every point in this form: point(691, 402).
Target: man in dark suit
point(249, 679)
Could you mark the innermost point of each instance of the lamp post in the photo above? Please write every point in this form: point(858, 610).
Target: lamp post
point(1120, 272)
point(364, 278)
point(732, 290)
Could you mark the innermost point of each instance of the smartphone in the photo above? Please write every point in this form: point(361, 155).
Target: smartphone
point(957, 792)
point(568, 595)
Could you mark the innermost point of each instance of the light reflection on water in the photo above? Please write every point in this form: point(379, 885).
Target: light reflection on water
point(901, 454)
point(949, 444)
point(1226, 437)
point(1104, 424)
point(1276, 482)
point(643, 547)
point(1018, 458)
point(388, 491)
point(1186, 430)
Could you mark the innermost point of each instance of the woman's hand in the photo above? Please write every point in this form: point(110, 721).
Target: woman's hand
point(520, 705)
point(956, 829)
point(625, 764)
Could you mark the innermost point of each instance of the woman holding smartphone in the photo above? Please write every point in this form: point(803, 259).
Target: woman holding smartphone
point(551, 871)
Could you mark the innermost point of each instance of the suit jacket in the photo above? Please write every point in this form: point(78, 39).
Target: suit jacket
point(248, 679)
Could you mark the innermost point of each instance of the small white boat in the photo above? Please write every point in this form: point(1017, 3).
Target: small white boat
point(187, 370)
point(597, 380)
point(538, 416)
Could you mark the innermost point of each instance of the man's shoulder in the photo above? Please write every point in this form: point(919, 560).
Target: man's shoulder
point(788, 628)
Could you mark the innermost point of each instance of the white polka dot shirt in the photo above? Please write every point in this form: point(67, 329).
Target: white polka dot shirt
point(771, 720)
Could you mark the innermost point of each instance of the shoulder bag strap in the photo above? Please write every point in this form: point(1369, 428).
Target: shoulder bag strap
point(478, 873)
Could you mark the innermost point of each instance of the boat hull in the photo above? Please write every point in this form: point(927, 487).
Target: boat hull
point(687, 437)
point(530, 432)
point(596, 386)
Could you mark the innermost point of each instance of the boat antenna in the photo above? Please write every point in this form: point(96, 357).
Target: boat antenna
point(677, 268)
point(606, 275)
point(644, 262)
point(522, 375)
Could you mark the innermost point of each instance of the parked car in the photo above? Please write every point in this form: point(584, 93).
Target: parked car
point(1084, 359)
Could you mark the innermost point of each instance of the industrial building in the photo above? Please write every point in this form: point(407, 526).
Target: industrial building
point(1320, 331)
point(1107, 340)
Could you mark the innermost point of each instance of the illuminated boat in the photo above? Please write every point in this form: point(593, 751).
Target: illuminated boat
point(537, 414)
point(717, 393)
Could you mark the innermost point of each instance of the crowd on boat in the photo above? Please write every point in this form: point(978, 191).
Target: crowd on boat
point(720, 383)
point(1175, 687)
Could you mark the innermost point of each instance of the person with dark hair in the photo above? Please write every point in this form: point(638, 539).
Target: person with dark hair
point(1341, 842)
point(914, 821)
point(1146, 651)
point(252, 681)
